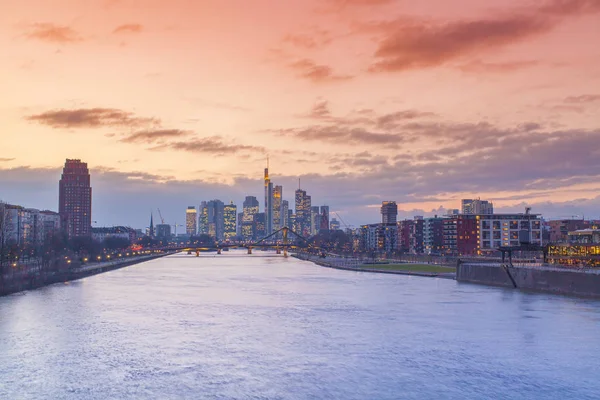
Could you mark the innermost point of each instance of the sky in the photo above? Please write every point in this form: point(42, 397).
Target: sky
point(171, 102)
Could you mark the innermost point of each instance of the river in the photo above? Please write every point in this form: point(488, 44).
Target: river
point(263, 327)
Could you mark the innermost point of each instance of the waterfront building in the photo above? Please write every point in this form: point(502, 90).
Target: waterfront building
point(585, 236)
point(191, 221)
point(389, 212)
point(122, 232)
point(250, 208)
point(277, 208)
point(460, 235)
point(230, 213)
point(28, 226)
point(404, 231)
point(75, 199)
point(324, 223)
point(416, 236)
point(334, 225)
point(477, 207)
point(559, 229)
point(379, 237)
point(433, 235)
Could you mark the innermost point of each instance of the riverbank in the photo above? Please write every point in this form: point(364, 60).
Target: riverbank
point(348, 264)
point(30, 280)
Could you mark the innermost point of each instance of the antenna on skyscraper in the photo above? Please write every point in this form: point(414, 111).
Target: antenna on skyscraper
point(298, 183)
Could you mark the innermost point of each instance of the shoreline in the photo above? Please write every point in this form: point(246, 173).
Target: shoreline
point(38, 280)
point(443, 275)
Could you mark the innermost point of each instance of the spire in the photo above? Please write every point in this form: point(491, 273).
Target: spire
point(151, 233)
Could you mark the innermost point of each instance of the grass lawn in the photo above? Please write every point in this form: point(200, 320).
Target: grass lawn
point(410, 267)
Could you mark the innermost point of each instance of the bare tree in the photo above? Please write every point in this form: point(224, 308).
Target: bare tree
point(3, 236)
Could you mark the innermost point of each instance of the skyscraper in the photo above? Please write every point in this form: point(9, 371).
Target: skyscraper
point(303, 204)
point(315, 220)
point(389, 212)
point(203, 219)
point(216, 219)
point(324, 218)
point(285, 214)
point(260, 229)
point(75, 199)
point(250, 209)
point(277, 207)
point(268, 202)
point(190, 221)
point(230, 214)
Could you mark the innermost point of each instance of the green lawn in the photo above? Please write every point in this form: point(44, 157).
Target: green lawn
point(409, 267)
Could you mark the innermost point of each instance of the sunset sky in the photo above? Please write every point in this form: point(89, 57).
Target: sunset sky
point(172, 102)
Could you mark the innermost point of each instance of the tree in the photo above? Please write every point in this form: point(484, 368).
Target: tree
point(116, 243)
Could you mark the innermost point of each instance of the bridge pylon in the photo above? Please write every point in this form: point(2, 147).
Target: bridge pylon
point(249, 250)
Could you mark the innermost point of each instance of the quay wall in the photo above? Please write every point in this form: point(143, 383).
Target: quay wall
point(540, 279)
point(38, 279)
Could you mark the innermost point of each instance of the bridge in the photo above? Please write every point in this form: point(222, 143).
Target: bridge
point(268, 242)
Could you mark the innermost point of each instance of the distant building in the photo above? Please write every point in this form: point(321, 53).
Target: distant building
point(123, 232)
point(277, 208)
point(285, 213)
point(585, 236)
point(75, 199)
point(559, 229)
point(315, 220)
point(268, 202)
point(216, 219)
point(324, 226)
point(151, 227)
point(191, 221)
point(249, 210)
point(416, 236)
point(28, 226)
point(389, 212)
point(240, 217)
point(380, 237)
point(334, 225)
point(476, 207)
point(404, 231)
point(260, 227)
point(203, 218)
point(303, 211)
point(230, 213)
point(163, 231)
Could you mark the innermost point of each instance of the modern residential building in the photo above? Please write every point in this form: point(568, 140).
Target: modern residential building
point(404, 232)
point(230, 214)
point(28, 226)
point(75, 199)
point(250, 208)
point(379, 237)
point(559, 229)
point(476, 207)
point(389, 212)
point(433, 235)
point(191, 221)
point(416, 236)
point(324, 226)
point(460, 235)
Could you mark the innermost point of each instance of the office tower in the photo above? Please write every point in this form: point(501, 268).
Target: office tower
point(315, 221)
point(215, 217)
point(285, 213)
point(203, 219)
point(240, 217)
point(190, 221)
point(277, 207)
point(75, 199)
point(260, 228)
point(250, 209)
point(230, 213)
point(477, 207)
point(389, 212)
point(324, 218)
point(268, 202)
point(303, 205)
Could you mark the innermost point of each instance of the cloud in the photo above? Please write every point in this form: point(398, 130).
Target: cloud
point(320, 110)
point(4, 159)
point(89, 118)
point(316, 39)
point(128, 28)
point(152, 136)
point(308, 69)
point(53, 33)
point(583, 99)
point(209, 145)
point(500, 67)
point(343, 135)
point(410, 44)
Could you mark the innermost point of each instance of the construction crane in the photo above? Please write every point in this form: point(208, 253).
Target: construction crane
point(162, 220)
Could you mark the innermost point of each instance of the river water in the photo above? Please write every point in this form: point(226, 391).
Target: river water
point(255, 327)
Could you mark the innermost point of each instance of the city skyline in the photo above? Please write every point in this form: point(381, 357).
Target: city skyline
point(509, 114)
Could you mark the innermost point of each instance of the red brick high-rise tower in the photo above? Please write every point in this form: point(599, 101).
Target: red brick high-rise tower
point(75, 199)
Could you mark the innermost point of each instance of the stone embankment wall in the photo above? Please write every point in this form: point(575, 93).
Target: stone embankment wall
point(542, 279)
point(38, 279)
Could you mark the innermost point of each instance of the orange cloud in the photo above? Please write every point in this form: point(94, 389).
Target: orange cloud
point(53, 33)
point(89, 118)
point(128, 28)
point(308, 69)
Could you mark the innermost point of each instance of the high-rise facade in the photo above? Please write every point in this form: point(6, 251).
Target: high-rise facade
point(203, 219)
point(75, 199)
point(324, 218)
point(315, 220)
point(260, 226)
point(250, 209)
point(216, 219)
point(477, 207)
point(389, 212)
point(268, 202)
point(285, 213)
point(303, 211)
point(277, 208)
point(191, 221)
point(230, 214)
